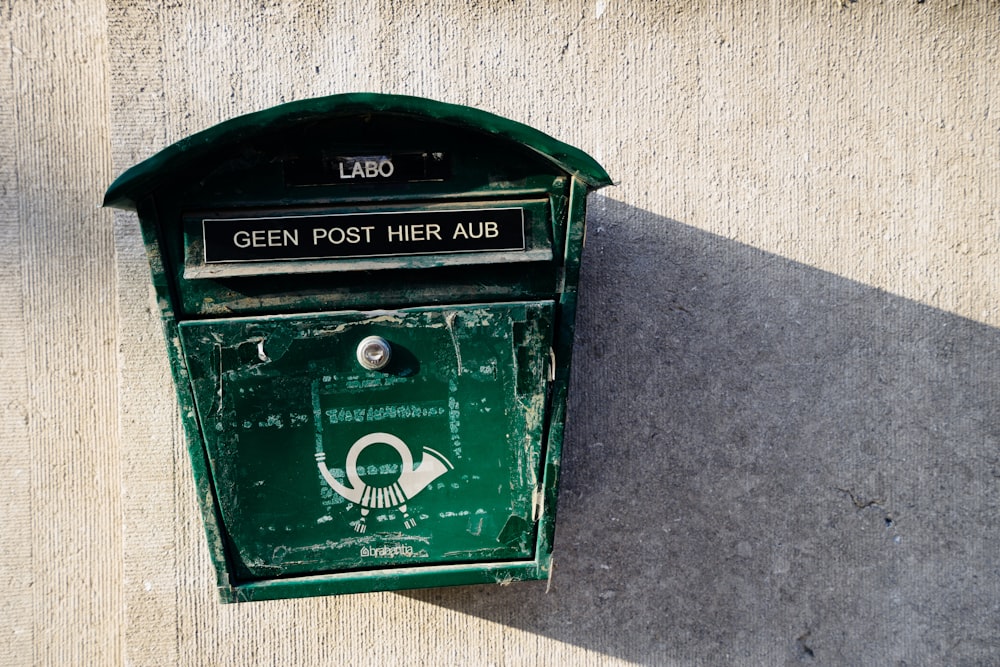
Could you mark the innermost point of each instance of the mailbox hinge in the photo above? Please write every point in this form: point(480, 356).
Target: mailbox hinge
point(537, 504)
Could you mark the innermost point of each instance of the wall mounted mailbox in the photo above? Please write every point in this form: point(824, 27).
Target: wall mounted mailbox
point(368, 303)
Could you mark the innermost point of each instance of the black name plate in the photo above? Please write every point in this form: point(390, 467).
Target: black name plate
point(385, 234)
point(374, 169)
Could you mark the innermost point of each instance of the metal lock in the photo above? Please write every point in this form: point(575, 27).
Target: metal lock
point(374, 353)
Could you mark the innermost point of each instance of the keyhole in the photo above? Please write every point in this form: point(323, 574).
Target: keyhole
point(374, 353)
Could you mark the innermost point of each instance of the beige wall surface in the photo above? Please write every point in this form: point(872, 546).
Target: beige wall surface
point(784, 435)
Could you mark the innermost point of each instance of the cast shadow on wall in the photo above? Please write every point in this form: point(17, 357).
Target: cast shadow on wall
point(765, 461)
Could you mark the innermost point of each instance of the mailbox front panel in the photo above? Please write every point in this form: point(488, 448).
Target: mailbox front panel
point(320, 465)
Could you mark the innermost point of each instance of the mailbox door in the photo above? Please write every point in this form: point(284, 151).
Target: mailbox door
point(320, 465)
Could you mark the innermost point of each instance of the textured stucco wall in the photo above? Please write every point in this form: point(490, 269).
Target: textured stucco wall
point(794, 458)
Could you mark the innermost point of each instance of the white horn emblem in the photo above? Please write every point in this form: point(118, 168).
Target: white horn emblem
point(410, 482)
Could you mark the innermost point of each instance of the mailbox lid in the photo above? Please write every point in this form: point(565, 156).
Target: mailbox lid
point(464, 398)
point(223, 147)
point(266, 177)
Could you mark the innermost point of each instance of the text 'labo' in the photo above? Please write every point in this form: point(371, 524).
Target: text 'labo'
point(350, 168)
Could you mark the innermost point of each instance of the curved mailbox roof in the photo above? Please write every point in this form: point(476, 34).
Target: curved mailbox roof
point(191, 151)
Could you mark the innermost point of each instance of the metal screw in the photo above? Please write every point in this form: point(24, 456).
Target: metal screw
point(374, 353)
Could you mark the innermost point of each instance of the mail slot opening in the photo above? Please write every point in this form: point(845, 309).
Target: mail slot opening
point(312, 240)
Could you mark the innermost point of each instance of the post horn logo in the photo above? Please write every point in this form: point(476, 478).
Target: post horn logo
point(410, 482)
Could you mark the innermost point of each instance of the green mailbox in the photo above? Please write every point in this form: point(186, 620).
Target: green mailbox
point(368, 302)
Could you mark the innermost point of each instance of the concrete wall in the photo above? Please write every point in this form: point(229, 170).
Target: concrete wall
point(784, 442)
